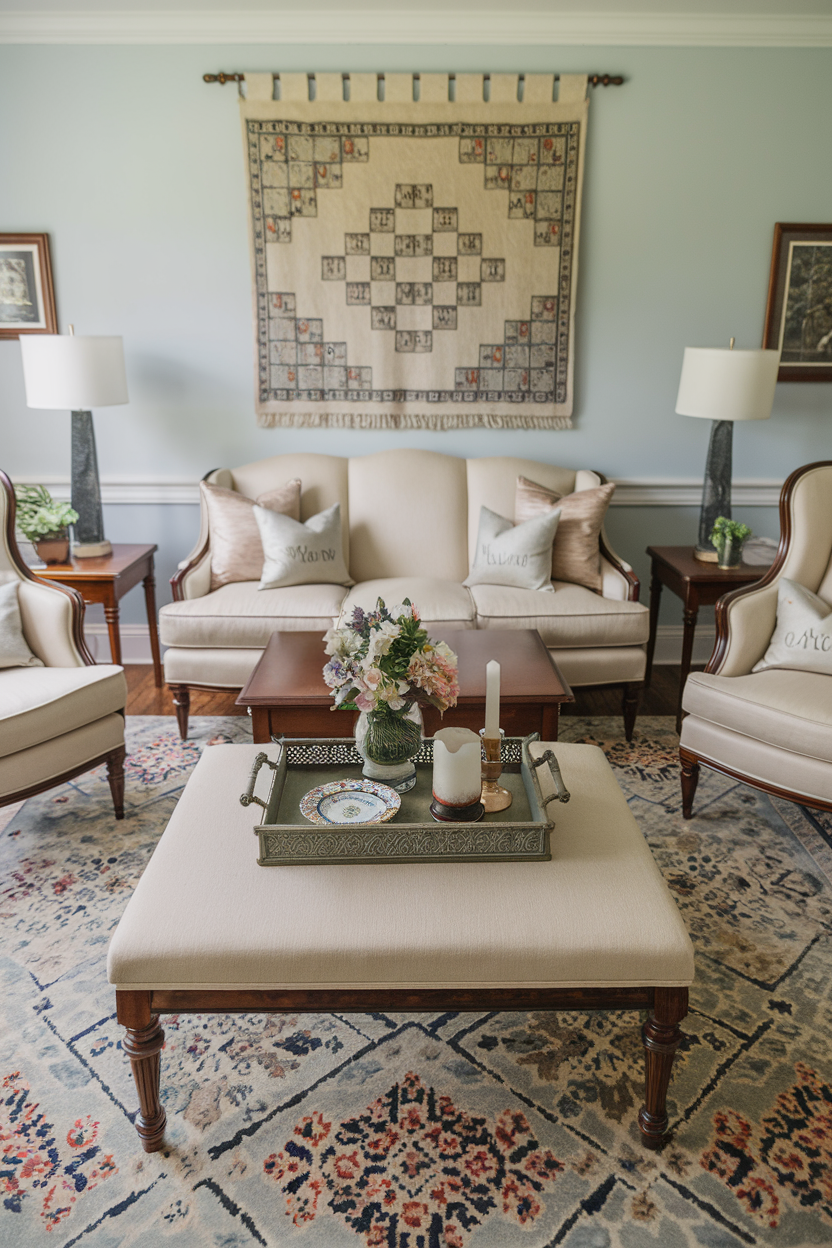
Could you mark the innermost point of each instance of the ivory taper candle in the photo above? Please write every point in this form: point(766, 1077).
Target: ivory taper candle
point(457, 755)
point(492, 699)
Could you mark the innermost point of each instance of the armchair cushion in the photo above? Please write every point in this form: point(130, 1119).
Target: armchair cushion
point(790, 710)
point(802, 637)
point(240, 616)
point(39, 705)
point(14, 652)
point(571, 616)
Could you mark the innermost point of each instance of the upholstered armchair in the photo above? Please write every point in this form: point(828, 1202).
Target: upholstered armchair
point(65, 715)
point(771, 729)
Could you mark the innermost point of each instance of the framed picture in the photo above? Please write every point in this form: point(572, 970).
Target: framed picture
point(799, 308)
point(27, 296)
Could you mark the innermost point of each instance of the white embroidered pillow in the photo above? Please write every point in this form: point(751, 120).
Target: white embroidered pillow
point(802, 637)
point(14, 649)
point(514, 554)
point(302, 554)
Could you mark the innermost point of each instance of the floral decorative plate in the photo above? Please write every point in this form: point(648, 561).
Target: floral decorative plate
point(350, 801)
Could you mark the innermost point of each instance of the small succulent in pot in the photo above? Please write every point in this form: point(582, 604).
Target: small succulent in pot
point(44, 522)
point(729, 536)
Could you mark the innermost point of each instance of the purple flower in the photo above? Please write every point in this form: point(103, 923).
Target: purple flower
point(358, 618)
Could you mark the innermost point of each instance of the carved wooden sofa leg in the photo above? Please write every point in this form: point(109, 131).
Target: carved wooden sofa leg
point(143, 1043)
point(115, 776)
point(630, 705)
point(660, 1036)
point(182, 702)
point(690, 779)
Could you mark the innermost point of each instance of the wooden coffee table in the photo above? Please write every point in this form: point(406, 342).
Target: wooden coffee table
point(287, 697)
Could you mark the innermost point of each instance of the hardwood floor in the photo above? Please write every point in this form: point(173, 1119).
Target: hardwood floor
point(145, 699)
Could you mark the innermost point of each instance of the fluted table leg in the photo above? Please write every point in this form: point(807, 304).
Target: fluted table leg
point(661, 1037)
point(143, 1046)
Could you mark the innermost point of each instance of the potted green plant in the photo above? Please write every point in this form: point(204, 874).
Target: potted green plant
point(728, 536)
point(44, 522)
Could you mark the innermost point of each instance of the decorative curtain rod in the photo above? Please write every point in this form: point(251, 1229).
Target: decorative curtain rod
point(594, 80)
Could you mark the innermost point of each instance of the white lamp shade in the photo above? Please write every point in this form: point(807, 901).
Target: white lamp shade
point(64, 371)
point(719, 384)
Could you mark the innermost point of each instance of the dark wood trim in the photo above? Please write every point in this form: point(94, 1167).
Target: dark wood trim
point(690, 779)
point(629, 705)
point(44, 261)
point(176, 581)
point(115, 762)
point(691, 760)
point(76, 601)
point(139, 1012)
point(785, 232)
point(722, 608)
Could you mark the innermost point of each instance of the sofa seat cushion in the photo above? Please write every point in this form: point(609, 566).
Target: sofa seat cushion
point(438, 602)
point(790, 710)
point(40, 703)
point(241, 615)
point(571, 616)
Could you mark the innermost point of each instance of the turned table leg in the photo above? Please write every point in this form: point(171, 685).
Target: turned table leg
point(143, 1046)
point(660, 1036)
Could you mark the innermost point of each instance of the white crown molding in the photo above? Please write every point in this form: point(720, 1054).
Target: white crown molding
point(419, 26)
point(631, 492)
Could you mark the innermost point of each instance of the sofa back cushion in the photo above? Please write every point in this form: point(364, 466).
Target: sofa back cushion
point(492, 483)
point(324, 479)
point(408, 515)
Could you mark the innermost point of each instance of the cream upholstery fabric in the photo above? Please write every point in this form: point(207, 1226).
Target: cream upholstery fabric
point(224, 668)
point(802, 637)
point(240, 615)
point(572, 616)
point(602, 666)
point(598, 914)
point(438, 602)
point(799, 774)
point(40, 703)
point(56, 757)
point(14, 649)
point(408, 515)
point(46, 612)
point(791, 710)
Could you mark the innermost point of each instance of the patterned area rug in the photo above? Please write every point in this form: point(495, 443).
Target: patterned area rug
point(420, 1131)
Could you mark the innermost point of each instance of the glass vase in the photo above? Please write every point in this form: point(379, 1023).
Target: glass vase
point(729, 551)
point(387, 741)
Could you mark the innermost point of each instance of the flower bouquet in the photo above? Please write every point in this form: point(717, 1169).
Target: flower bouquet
point(385, 664)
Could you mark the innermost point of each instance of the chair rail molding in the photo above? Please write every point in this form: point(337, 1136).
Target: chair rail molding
point(629, 492)
point(428, 25)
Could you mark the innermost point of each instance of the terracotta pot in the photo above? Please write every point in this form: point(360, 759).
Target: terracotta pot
point(54, 548)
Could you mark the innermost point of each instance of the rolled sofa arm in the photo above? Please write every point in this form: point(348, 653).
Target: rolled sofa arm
point(193, 576)
point(618, 580)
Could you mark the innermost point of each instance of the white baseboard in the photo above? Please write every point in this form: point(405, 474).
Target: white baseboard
point(135, 643)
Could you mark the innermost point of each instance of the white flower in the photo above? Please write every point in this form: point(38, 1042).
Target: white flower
point(381, 639)
point(342, 642)
point(444, 651)
point(403, 609)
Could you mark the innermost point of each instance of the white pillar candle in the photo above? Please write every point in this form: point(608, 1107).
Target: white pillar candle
point(457, 767)
point(492, 699)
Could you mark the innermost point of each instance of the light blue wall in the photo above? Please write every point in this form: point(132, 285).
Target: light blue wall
point(134, 167)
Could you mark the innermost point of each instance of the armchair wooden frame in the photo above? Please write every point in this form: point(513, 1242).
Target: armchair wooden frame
point(114, 759)
point(690, 762)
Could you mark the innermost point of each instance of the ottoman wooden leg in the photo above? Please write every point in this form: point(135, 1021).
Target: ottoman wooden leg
point(143, 1046)
point(661, 1036)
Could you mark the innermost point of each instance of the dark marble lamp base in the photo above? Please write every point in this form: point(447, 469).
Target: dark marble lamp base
point(716, 490)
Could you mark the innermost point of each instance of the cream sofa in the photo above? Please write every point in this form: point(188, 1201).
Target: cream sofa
point(409, 520)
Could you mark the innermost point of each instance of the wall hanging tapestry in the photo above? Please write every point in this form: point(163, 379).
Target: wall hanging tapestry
point(415, 260)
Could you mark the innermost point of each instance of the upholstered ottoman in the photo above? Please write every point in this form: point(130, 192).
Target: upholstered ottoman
point(207, 929)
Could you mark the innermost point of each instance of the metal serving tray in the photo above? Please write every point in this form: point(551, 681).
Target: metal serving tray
point(519, 834)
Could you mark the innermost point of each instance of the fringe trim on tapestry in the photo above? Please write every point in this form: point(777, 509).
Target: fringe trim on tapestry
point(426, 247)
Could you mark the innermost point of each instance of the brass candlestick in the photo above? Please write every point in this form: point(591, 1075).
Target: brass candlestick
point(493, 796)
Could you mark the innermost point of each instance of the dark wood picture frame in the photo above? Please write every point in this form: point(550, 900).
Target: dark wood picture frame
point(782, 286)
point(34, 279)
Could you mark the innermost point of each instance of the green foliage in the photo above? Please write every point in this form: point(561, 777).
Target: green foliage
point(726, 530)
point(38, 515)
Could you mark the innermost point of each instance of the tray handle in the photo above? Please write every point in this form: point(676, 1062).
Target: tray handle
point(248, 797)
point(561, 793)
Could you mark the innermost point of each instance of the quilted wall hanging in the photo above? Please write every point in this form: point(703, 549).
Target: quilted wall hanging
point(415, 260)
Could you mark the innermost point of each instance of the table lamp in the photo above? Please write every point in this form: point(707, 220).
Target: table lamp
point(65, 371)
point(723, 386)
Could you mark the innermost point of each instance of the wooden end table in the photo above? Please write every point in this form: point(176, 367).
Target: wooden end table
point(698, 584)
point(105, 579)
point(287, 697)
